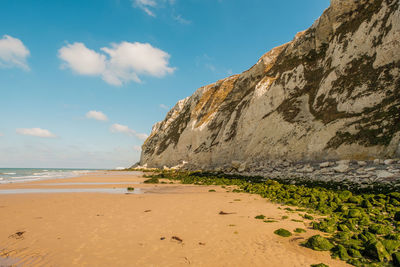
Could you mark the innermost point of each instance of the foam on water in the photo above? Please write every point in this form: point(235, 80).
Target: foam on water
point(70, 190)
point(24, 174)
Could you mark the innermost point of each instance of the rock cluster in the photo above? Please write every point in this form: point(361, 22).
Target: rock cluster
point(363, 173)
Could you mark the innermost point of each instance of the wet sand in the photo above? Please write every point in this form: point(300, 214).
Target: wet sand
point(160, 225)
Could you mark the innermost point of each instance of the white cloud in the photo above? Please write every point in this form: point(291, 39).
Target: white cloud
point(118, 64)
point(1, 134)
point(97, 115)
point(137, 148)
point(181, 20)
point(164, 107)
point(142, 136)
point(119, 128)
point(210, 67)
point(82, 60)
point(149, 5)
point(38, 132)
point(145, 5)
point(13, 53)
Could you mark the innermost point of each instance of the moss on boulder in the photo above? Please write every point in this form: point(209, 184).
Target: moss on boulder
point(340, 252)
point(396, 258)
point(397, 216)
point(319, 243)
point(282, 232)
point(377, 251)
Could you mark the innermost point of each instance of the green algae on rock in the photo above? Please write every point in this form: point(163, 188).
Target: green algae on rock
point(299, 230)
point(282, 232)
point(319, 243)
point(319, 265)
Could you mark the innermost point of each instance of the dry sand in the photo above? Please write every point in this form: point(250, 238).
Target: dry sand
point(117, 229)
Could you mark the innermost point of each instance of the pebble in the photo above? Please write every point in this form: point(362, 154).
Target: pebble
point(389, 161)
point(384, 174)
point(341, 168)
point(362, 163)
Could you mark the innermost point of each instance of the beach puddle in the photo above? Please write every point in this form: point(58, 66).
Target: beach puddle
point(8, 261)
point(71, 190)
point(61, 184)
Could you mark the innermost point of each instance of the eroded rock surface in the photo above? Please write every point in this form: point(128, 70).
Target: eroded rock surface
point(331, 93)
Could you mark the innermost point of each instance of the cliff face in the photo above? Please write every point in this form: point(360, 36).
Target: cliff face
point(331, 93)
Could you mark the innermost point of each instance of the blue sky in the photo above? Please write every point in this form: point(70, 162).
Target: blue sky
point(82, 82)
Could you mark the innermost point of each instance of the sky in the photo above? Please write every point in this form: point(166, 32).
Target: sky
point(82, 82)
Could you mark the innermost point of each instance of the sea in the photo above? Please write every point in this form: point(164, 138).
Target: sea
point(10, 175)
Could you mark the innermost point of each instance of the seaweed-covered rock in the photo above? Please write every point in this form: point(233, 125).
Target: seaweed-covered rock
point(354, 253)
point(354, 243)
point(395, 195)
point(397, 216)
point(396, 258)
point(364, 221)
point(346, 235)
point(367, 237)
point(376, 250)
point(282, 232)
point(299, 230)
point(327, 226)
point(391, 245)
point(379, 229)
point(340, 252)
point(355, 199)
point(319, 265)
point(395, 236)
point(319, 243)
point(354, 213)
point(366, 204)
point(343, 227)
point(345, 195)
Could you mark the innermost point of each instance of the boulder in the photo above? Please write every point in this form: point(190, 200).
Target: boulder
point(384, 174)
point(396, 259)
point(307, 169)
point(340, 252)
point(378, 161)
point(326, 164)
point(282, 232)
point(376, 250)
point(389, 161)
point(242, 167)
point(319, 243)
point(397, 216)
point(362, 163)
point(342, 168)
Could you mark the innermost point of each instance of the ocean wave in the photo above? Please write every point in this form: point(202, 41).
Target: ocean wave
point(26, 177)
point(38, 174)
point(16, 181)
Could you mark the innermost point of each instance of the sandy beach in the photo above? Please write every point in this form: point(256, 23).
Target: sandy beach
point(91, 221)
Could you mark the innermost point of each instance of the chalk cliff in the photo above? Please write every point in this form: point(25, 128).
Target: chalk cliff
point(333, 92)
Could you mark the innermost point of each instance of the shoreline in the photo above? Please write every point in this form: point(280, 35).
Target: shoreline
point(100, 229)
